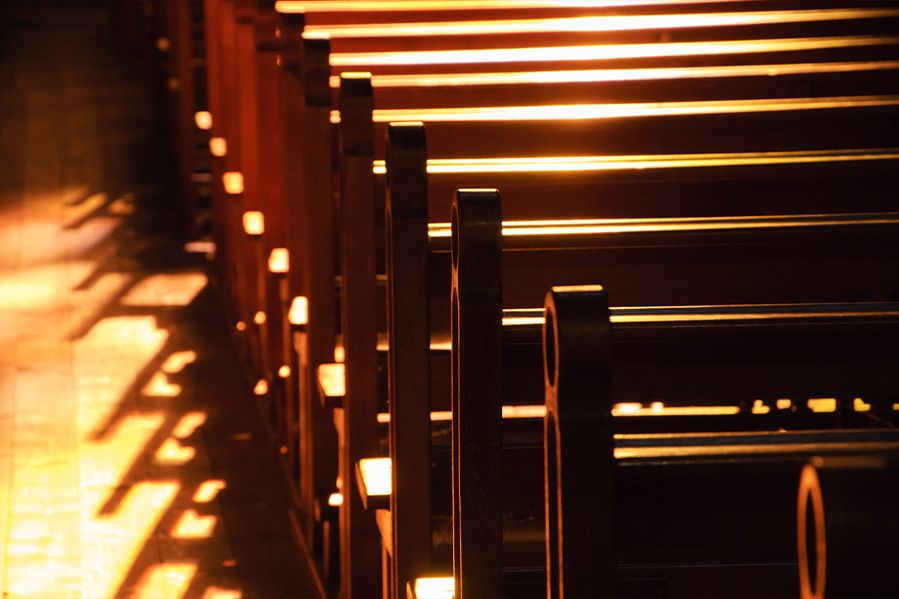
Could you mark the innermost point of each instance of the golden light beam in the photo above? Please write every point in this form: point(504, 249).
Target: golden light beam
point(543, 164)
point(572, 112)
point(618, 75)
point(351, 6)
point(599, 24)
point(655, 225)
point(586, 53)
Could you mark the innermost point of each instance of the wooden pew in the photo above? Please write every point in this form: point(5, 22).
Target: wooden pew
point(409, 333)
point(846, 526)
point(357, 423)
point(315, 172)
point(579, 336)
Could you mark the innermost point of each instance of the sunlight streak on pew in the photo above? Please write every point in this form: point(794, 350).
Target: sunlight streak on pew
point(538, 164)
point(597, 24)
point(612, 75)
point(556, 54)
point(572, 112)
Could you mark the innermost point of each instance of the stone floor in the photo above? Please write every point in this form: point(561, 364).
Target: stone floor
point(132, 461)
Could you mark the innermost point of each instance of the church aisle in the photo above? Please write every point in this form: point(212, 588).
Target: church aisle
point(132, 462)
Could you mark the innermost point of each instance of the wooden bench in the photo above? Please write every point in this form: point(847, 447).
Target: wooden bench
point(306, 227)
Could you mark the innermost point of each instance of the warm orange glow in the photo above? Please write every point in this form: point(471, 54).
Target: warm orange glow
point(203, 120)
point(279, 261)
point(559, 54)
point(335, 499)
point(642, 162)
point(172, 290)
point(218, 147)
point(259, 318)
point(253, 223)
point(340, 353)
point(859, 405)
point(209, 490)
point(351, 6)
point(562, 112)
point(510, 412)
point(200, 247)
point(657, 408)
point(611, 75)
point(216, 592)
point(377, 476)
point(623, 226)
point(159, 386)
point(824, 404)
point(261, 387)
point(76, 214)
point(233, 182)
point(241, 326)
point(442, 587)
point(284, 371)
point(759, 407)
point(783, 404)
point(166, 580)
point(189, 423)
point(171, 452)
point(596, 23)
point(316, 35)
point(299, 311)
point(332, 379)
point(163, 44)
point(191, 525)
point(177, 361)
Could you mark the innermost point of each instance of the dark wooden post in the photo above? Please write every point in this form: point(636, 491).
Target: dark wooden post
point(578, 445)
point(360, 543)
point(290, 27)
point(476, 325)
point(408, 331)
point(318, 439)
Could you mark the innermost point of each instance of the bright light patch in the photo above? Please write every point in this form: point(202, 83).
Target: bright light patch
point(261, 387)
point(259, 318)
point(241, 326)
point(783, 404)
point(759, 407)
point(284, 371)
point(332, 379)
point(824, 404)
point(172, 453)
point(335, 499)
point(165, 580)
point(203, 120)
point(299, 310)
point(189, 423)
point(170, 290)
point(218, 147)
point(859, 405)
point(443, 587)
point(192, 525)
point(176, 362)
point(215, 592)
point(377, 476)
point(339, 353)
point(279, 261)
point(233, 182)
point(208, 490)
point(159, 386)
point(253, 223)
